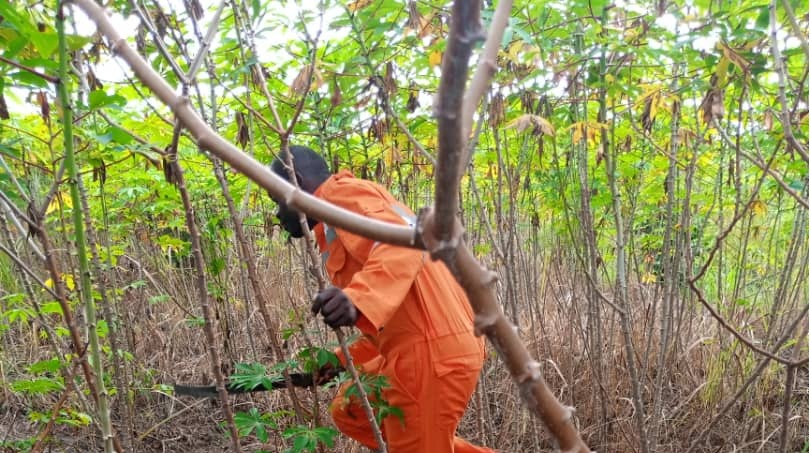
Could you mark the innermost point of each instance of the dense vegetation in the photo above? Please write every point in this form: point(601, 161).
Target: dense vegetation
point(639, 182)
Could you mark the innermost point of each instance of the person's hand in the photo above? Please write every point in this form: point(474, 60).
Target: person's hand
point(326, 373)
point(336, 308)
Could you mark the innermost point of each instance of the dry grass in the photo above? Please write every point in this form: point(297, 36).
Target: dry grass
point(703, 368)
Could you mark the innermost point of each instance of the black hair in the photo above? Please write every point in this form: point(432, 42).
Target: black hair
point(310, 167)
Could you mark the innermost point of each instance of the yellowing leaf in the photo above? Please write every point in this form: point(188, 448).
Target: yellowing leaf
point(648, 277)
point(514, 50)
point(577, 133)
point(759, 208)
point(435, 58)
point(358, 4)
point(393, 155)
point(69, 283)
point(721, 70)
point(62, 198)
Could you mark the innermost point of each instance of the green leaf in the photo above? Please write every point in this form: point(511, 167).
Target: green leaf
point(45, 366)
point(249, 376)
point(254, 421)
point(29, 79)
point(120, 136)
point(762, 21)
point(99, 98)
point(38, 386)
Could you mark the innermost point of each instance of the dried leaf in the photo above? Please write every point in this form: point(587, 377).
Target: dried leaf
point(337, 97)
point(358, 5)
point(92, 81)
point(169, 169)
point(195, 8)
point(649, 114)
point(712, 106)
point(306, 79)
point(768, 120)
point(735, 57)
point(44, 106)
point(648, 277)
point(496, 110)
point(686, 137)
point(377, 130)
point(394, 155)
point(539, 124)
point(243, 134)
point(414, 18)
point(413, 98)
point(100, 173)
point(388, 81)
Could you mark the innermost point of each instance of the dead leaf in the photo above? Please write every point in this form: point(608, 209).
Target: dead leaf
point(336, 97)
point(414, 17)
point(377, 130)
point(100, 173)
point(712, 106)
point(388, 81)
point(195, 8)
point(306, 80)
point(44, 106)
point(735, 57)
point(413, 98)
point(358, 5)
point(496, 110)
point(539, 124)
point(243, 134)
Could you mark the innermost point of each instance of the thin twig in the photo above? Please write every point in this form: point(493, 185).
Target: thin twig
point(27, 270)
point(762, 165)
point(486, 68)
point(206, 45)
point(50, 79)
point(780, 69)
point(158, 41)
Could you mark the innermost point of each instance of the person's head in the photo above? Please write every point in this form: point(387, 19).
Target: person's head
point(311, 171)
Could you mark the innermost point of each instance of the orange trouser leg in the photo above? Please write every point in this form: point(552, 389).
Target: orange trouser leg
point(462, 446)
point(348, 414)
point(431, 405)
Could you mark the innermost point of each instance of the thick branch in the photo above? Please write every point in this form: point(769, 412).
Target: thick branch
point(487, 65)
point(465, 32)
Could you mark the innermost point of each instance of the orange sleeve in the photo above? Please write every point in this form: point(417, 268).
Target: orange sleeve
point(388, 271)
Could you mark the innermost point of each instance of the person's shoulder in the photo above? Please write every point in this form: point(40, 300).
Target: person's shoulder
point(345, 182)
point(352, 193)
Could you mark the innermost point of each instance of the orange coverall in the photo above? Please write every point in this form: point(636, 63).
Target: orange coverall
point(416, 322)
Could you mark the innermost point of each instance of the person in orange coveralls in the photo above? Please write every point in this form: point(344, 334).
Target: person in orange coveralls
point(416, 322)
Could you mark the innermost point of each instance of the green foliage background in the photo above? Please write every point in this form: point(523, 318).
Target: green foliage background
point(679, 103)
